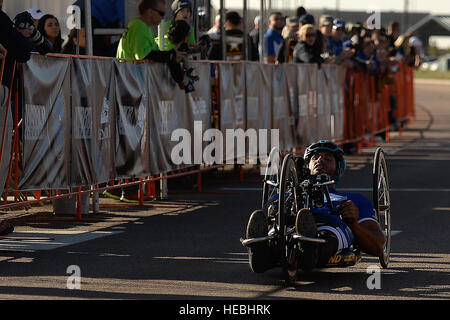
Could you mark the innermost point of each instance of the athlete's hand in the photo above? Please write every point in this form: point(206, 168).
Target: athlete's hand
point(349, 212)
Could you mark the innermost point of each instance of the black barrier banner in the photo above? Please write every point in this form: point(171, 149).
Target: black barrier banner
point(259, 102)
point(168, 113)
point(132, 142)
point(92, 122)
point(283, 118)
point(307, 95)
point(232, 111)
point(338, 104)
point(232, 107)
point(46, 127)
point(323, 104)
point(198, 105)
point(259, 108)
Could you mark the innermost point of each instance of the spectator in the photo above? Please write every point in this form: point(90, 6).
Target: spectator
point(335, 44)
point(305, 51)
point(273, 38)
point(71, 46)
point(178, 35)
point(234, 41)
point(393, 33)
point(37, 14)
point(326, 25)
point(214, 32)
point(300, 12)
point(306, 19)
point(182, 10)
point(13, 47)
point(138, 42)
point(254, 34)
point(366, 57)
point(286, 50)
point(49, 27)
point(380, 40)
point(415, 54)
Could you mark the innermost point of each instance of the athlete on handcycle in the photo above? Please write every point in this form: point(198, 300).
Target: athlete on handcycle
point(355, 224)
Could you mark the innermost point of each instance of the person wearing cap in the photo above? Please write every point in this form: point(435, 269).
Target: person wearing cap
point(306, 19)
point(335, 43)
point(37, 14)
point(273, 37)
point(286, 51)
point(182, 10)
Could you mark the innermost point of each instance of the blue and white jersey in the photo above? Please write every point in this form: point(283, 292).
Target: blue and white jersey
point(335, 224)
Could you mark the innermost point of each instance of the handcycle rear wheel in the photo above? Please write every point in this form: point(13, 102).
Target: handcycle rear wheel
point(287, 210)
point(382, 202)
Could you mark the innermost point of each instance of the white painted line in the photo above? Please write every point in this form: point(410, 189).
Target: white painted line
point(60, 239)
point(350, 189)
point(398, 189)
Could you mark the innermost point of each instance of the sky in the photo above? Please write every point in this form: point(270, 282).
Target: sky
point(431, 6)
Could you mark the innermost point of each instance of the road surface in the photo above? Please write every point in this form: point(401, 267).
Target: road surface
point(188, 247)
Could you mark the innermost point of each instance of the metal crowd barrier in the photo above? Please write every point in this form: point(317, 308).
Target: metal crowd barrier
point(92, 115)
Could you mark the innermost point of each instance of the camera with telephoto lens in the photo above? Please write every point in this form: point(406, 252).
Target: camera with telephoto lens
point(24, 21)
point(184, 48)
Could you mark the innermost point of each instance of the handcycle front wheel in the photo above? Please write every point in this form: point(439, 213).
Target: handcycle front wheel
point(287, 210)
point(382, 202)
point(272, 176)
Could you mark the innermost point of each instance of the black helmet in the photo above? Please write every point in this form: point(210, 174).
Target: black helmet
point(331, 147)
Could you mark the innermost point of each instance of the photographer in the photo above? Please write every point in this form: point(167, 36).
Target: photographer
point(15, 45)
point(178, 34)
point(24, 23)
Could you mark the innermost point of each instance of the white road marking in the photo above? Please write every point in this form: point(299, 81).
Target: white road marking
point(349, 189)
point(60, 239)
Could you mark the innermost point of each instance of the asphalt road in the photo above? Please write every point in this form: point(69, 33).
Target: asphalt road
point(188, 248)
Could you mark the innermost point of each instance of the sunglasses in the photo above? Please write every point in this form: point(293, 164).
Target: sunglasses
point(161, 13)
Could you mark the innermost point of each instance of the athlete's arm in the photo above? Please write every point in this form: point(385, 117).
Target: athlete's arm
point(368, 233)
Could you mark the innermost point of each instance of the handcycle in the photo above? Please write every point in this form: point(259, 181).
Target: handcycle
point(302, 191)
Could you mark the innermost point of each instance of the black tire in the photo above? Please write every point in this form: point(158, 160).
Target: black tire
point(382, 202)
point(272, 174)
point(258, 253)
point(287, 210)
